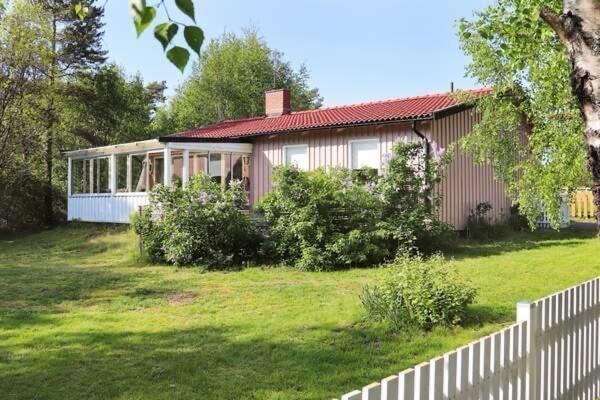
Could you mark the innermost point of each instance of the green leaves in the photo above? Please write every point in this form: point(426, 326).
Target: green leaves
point(80, 10)
point(186, 7)
point(142, 15)
point(179, 57)
point(194, 37)
point(165, 32)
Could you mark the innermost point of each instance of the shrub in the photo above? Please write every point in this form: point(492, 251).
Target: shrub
point(198, 224)
point(321, 220)
point(419, 293)
point(409, 204)
point(480, 225)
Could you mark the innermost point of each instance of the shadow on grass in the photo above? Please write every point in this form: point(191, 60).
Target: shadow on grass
point(199, 363)
point(518, 241)
point(30, 294)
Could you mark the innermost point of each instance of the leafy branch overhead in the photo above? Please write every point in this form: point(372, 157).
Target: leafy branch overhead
point(143, 17)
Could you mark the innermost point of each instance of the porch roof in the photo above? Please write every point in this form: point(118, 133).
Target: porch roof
point(156, 145)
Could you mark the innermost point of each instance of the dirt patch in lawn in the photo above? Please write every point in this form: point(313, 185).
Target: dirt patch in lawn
point(181, 298)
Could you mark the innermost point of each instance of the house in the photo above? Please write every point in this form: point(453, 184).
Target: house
point(107, 184)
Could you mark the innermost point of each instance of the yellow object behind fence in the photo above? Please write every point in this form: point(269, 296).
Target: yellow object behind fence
point(582, 204)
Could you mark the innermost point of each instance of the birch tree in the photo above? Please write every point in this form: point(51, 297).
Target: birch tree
point(540, 90)
point(578, 28)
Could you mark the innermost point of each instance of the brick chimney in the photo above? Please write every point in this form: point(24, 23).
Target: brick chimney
point(277, 102)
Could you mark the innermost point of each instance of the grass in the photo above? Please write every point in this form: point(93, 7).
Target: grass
point(81, 318)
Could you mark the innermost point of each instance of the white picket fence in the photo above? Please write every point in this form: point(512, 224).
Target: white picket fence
point(551, 353)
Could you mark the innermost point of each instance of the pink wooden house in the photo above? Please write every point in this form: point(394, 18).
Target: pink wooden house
point(107, 184)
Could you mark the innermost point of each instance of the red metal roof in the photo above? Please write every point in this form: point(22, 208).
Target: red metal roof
point(408, 108)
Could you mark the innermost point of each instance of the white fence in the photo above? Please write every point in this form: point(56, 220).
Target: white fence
point(105, 207)
point(552, 352)
point(565, 215)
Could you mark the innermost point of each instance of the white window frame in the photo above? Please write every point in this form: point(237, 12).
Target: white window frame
point(296, 146)
point(372, 139)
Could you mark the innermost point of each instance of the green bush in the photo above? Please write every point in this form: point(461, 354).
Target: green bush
point(409, 203)
point(481, 226)
point(198, 224)
point(321, 220)
point(419, 293)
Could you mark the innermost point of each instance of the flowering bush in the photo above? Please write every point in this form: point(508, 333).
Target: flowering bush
point(198, 224)
point(421, 293)
point(408, 202)
point(320, 220)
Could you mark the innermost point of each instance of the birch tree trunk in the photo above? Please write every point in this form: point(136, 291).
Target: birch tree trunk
point(578, 28)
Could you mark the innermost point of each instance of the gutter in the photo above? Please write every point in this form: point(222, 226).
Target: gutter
point(427, 155)
point(423, 138)
point(247, 138)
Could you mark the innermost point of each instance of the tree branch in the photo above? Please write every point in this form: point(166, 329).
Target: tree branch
point(555, 21)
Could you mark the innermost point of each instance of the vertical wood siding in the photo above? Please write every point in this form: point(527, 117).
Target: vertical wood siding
point(465, 185)
point(326, 148)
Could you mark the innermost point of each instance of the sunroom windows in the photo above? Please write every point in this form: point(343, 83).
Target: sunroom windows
point(91, 176)
point(138, 173)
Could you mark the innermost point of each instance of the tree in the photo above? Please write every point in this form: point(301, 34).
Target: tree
point(531, 127)
point(72, 44)
point(578, 28)
point(22, 81)
point(230, 81)
point(106, 107)
point(54, 95)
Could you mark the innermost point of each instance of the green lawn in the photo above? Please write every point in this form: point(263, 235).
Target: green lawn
point(81, 319)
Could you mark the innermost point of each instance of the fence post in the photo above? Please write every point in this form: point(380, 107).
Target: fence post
point(526, 311)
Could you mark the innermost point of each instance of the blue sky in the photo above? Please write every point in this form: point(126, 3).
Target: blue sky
point(355, 50)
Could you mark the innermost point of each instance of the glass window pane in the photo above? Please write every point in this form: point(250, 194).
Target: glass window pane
point(236, 167)
point(79, 176)
point(158, 171)
point(246, 172)
point(121, 173)
point(365, 154)
point(215, 167)
point(226, 167)
point(177, 165)
point(297, 156)
point(138, 173)
point(101, 173)
point(198, 163)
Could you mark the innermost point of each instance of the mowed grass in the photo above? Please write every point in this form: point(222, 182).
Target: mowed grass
point(80, 318)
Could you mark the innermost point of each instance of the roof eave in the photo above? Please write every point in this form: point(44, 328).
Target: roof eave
point(245, 138)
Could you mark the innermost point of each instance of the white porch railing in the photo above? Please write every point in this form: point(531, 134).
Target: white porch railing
point(565, 215)
point(105, 208)
point(552, 352)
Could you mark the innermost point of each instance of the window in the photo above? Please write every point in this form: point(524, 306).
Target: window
point(198, 163)
point(214, 169)
point(90, 176)
point(122, 174)
point(101, 175)
point(138, 172)
point(80, 176)
point(296, 155)
point(158, 170)
point(364, 154)
point(236, 167)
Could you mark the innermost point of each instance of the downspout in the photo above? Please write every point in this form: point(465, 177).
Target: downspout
point(427, 149)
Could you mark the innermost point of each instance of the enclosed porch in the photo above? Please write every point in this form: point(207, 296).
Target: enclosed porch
point(108, 184)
